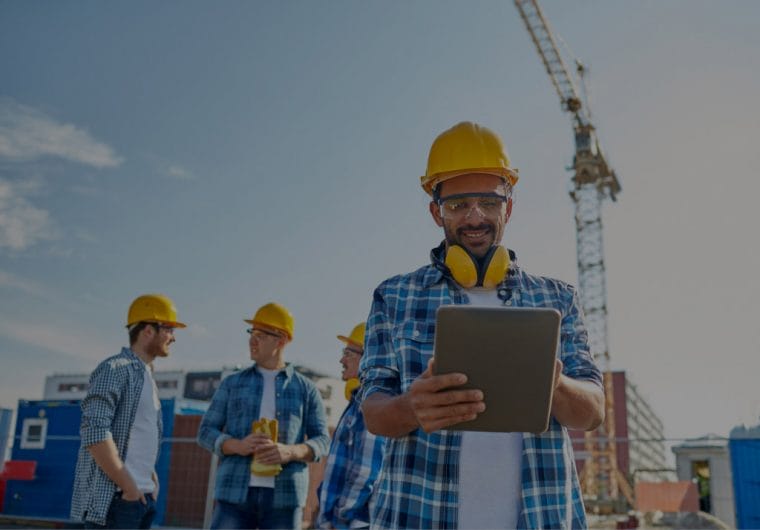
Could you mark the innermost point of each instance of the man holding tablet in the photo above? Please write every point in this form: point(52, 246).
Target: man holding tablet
point(438, 478)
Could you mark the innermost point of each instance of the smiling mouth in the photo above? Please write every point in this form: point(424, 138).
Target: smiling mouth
point(474, 233)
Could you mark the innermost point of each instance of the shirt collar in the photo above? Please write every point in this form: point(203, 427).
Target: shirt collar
point(288, 369)
point(133, 360)
point(131, 355)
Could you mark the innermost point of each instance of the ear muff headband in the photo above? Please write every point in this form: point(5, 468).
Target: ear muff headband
point(465, 271)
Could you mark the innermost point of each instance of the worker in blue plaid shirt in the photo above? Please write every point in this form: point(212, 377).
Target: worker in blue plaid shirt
point(115, 483)
point(433, 477)
point(262, 482)
point(355, 454)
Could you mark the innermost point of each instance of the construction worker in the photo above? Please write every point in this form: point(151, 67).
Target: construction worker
point(265, 423)
point(434, 478)
point(115, 485)
point(355, 454)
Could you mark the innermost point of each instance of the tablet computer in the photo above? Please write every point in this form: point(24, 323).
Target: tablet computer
point(509, 354)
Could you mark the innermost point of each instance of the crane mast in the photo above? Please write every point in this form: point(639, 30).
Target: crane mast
point(593, 181)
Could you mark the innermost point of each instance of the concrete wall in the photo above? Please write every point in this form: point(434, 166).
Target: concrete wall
point(721, 483)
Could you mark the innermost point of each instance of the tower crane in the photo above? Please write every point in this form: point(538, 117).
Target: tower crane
point(593, 181)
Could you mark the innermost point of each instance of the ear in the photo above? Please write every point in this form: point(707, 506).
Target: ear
point(148, 332)
point(435, 211)
point(509, 210)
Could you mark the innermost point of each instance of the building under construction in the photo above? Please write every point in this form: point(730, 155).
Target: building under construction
point(640, 447)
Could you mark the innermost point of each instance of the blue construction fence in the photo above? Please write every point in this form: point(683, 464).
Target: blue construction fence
point(47, 432)
point(744, 446)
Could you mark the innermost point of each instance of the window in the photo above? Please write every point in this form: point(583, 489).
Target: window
point(33, 433)
point(202, 385)
point(72, 387)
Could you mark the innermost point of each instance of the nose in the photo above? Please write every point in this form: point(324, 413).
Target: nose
point(475, 207)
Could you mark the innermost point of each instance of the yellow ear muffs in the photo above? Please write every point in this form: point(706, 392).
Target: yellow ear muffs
point(351, 385)
point(464, 268)
point(497, 268)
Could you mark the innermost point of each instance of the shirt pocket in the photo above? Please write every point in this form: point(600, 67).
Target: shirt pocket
point(413, 343)
point(241, 411)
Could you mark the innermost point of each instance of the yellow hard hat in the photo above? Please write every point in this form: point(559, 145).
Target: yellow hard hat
point(153, 308)
point(356, 337)
point(274, 316)
point(466, 148)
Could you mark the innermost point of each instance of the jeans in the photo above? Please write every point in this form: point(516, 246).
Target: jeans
point(128, 514)
point(256, 512)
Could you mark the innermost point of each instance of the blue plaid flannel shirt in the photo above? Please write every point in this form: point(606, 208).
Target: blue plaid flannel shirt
point(108, 411)
point(418, 484)
point(235, 406)
point(352, 469)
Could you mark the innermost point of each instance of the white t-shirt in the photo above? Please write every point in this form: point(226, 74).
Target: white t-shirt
point(490, 486)
point(142, 448)
point(267, 410)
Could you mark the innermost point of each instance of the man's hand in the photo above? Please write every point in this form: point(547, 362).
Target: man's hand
point(557, 373)
point(269, 452)
point(106, 456)
point(133, 495)
point(154, 477)
point(436, 407)
point(244, 446)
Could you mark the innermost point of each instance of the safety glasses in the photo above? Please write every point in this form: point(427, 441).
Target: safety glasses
point(349, 351)
point(461, 204)
point(260, 333)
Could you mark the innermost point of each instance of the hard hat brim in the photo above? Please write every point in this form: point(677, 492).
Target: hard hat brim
point(169, 323)
point(269, 326)
point(347, 340)
point(429, 182)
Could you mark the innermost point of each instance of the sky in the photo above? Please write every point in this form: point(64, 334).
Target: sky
point(237, 153)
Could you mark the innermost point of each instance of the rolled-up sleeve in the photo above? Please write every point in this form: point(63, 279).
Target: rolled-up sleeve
point(210, 435)
point(578, 363)
point(318, 437)
point(378, 369)
point(99, 406)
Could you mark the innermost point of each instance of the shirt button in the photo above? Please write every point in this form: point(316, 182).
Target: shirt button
point(508, 302)
point(416, 333)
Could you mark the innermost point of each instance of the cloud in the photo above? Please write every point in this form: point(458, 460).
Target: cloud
point(11, 281)
point(179, 173)
point(59, 340)
point(169, 169)
point(198, 331)
point(21, 223)
point(29, 134)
